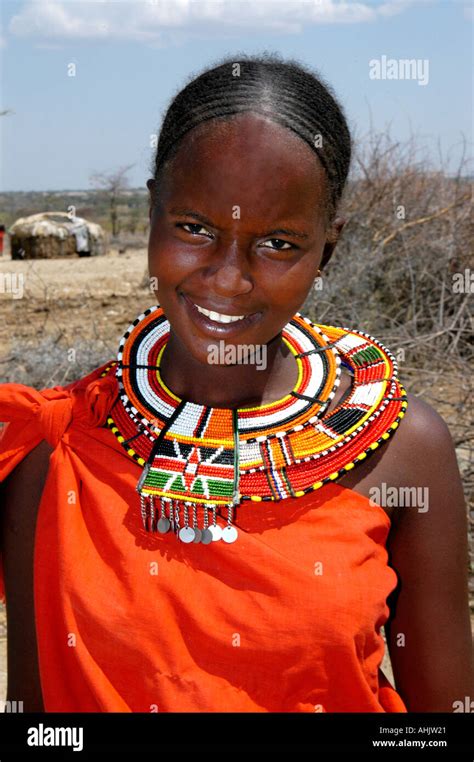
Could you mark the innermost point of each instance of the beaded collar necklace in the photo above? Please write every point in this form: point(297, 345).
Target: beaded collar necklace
point(197, 459)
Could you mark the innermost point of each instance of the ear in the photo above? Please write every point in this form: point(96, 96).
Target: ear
point(150, 184)
point(332, 239)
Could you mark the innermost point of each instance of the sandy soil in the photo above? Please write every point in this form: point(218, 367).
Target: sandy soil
point(82, 305)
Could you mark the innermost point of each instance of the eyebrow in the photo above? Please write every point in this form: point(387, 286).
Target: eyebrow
point(205, 221)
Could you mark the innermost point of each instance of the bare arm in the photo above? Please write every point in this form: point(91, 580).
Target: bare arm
point(429, 634)
point(19, 501)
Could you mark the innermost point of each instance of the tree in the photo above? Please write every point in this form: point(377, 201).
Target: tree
point(112, 184)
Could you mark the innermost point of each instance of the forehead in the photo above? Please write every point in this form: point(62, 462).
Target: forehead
point(247, 158)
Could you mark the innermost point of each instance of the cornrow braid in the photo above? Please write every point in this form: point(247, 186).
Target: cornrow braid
point(283, 90)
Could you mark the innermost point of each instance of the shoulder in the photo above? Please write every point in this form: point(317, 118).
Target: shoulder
point(420, 456)
point(422, 452)
point(423, 445)
point(422, 470)
point(422, 421)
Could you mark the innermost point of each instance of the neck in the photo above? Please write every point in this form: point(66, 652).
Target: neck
point(229, 386)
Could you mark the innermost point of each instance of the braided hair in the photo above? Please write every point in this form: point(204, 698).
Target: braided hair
point(283, 90)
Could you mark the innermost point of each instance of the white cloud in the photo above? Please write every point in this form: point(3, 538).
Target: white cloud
point(161, 20)
point(394, 7)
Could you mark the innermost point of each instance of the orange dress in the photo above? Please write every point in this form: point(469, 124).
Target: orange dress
point(287, 619)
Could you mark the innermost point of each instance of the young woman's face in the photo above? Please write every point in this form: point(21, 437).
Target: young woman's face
point(239, 230)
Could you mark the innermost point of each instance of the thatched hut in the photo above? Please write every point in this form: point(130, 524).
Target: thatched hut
point(55, 234)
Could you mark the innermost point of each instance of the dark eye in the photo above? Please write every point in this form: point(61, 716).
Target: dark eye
point(278, 248)
point(192, 225)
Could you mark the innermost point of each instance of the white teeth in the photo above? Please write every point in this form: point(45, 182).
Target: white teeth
point(218, 317)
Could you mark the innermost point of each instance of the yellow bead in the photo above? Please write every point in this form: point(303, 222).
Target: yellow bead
point(349, 466)
point(334, 475)
point(300, 493)
point(256, 498)
point(317, 485)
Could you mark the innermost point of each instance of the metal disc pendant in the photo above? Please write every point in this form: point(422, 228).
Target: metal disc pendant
point(229, 533)
point(186, 534)
point(216, 532)
point(163, 525)
point(206, 537)
point(197, 535)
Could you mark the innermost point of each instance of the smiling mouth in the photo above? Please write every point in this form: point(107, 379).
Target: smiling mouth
point(219, 319)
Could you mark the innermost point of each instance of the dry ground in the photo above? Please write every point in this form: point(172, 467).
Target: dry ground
point(81, 304)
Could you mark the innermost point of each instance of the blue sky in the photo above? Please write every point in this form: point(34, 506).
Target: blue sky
point(131, 57)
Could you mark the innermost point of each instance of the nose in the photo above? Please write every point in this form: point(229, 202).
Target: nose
point(229, 274)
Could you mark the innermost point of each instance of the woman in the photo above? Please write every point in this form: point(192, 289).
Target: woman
point(230, 421)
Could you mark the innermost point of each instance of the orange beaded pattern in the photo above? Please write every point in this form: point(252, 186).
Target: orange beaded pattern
point(215, 456)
